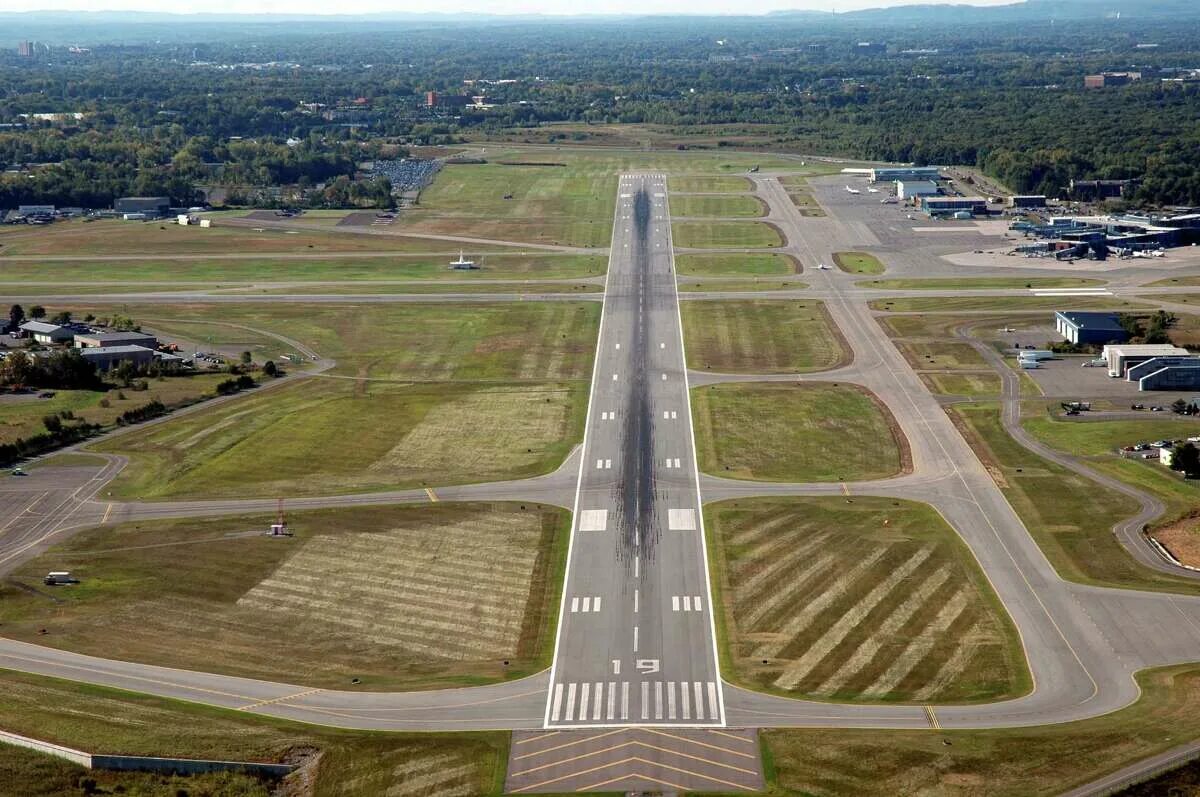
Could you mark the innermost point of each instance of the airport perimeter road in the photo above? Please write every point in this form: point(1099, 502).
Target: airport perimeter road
point(635, 642)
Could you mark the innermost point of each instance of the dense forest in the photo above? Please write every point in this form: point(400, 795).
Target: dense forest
point(162, 106)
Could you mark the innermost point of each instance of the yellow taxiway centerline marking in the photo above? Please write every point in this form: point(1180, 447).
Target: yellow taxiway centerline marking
point(278, 699)
point(933, 722)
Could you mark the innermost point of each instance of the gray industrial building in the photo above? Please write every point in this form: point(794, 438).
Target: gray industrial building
point(893, 173)
point(1181, 372)
point(97, 340)
point(150, 205)
point(910, 189)
point(105, 357)
point(949, 205)
point(45, 333)
point(1098, 328)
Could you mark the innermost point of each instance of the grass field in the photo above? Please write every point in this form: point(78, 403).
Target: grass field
point(788, 433)
point(728, 285)
point(765, 264)
point(327, 436)
point(399, 597)
point(760, 336)
point(940, 326)
point(950, 304)
point(725, 235)
point(980, 283)
point(480, 287)
point(21, 415)
point(938, 355)
point(858, 263)
point(169, 274)
point(1069, 516)
point(114, 237)
point(967, 384)
point(1019, 762)
point(708, 184)
point(436, 341)
point(871, 600)
point(798, 191)
point(353, 764)
point(717, 206)
point(553, 200)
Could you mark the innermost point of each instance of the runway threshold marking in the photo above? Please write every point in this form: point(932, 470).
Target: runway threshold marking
point(933, 722)
point(432, 495)
point(275, 700)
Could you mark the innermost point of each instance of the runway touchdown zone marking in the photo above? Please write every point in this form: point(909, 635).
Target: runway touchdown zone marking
point(681, 519)
point(593, 520)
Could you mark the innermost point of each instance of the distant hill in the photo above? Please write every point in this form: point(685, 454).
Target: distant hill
point(1030, 10)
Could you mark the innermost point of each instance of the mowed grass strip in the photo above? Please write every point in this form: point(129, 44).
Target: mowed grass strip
point(735, 286)
point(765, 264)
point(536, 341)
point(716, 206)
point(938, 355)
point(969, 304)
point(184, 273)
point(327, 436)
point(980, 283)
point(725, 235)
point(352, 763)
point(1069, 516)
point(761, 336)
point(534, 199)
point(858, 263)
point(807, 432)
point(1018, 762)
point(970, 385)
point(399, 597)
point(873, 599)
point(708, 184)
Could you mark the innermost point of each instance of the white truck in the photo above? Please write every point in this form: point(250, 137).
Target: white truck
point(56, 577)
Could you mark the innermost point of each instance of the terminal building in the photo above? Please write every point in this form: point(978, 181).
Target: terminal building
point(951, 205)
point(1082, 328)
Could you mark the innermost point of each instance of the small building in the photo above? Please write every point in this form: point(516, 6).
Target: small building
point(98, 340)
point(1082, 328)
point(1092, 190)
point(152, 206)
point(35, 210)
point(1027, 201)
point(890, 174)
point(1121, 357)
point(47, 334)
point(910, 189)
point(949, 205)
point(1107, 79)
point(105, 357)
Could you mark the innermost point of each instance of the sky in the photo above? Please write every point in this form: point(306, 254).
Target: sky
point(468, 6)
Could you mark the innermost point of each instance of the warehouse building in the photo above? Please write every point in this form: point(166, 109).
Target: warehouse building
point(893, 173)
point(105, 357)
point(96, 340)
point(1083, 328)
point(1166, 373)
point(1121, 357)
point(47, 334)
point(150, 205)
point(949, 205)
point(1027, 201)
point(911, 189)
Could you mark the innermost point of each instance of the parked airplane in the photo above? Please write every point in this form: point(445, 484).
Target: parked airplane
point(822, 267)
point(850, 190)
point(873, 190)
point(1006, 329)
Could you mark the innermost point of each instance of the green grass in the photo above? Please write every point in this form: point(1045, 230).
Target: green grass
point(24, 418)
point(963, 384)
point(945, 304)
point(429, 342)
point(1175, 282)
point(167, 274)
point(217, 595)
point(708, 184)
point(326, 436)
point(731, 265)
point(1070, 517)
point(354, 763)
point(789, 433)
point(727, 285)
point(760, 336)
point(561, 201)
point(725, 235)
point(480, 287)
point(1017, 762)
point(980, 283)
point(858, 263)
point(793, 593)
point(938, 355)
point(717, 207)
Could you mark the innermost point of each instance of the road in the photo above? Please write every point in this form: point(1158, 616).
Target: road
point(636, 642)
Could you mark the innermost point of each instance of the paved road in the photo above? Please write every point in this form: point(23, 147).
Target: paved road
point(636, 642)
